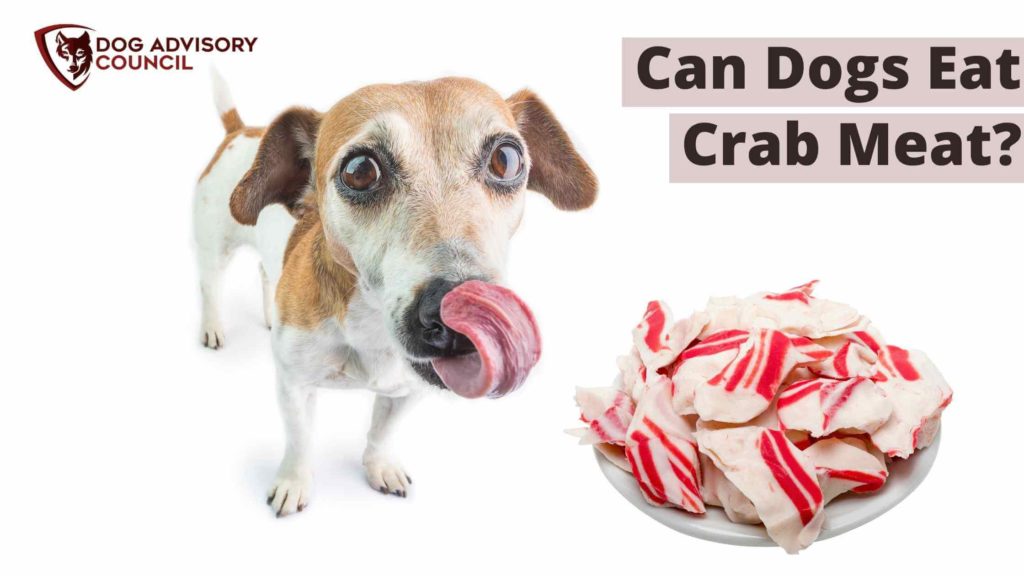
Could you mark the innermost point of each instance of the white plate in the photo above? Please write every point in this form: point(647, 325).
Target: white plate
point(841, 515)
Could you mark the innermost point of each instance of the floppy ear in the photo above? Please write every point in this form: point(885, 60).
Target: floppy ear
point(556, 170)
point(283, 167)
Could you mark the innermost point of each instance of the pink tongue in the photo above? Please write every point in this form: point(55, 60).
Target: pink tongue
point(504, 333)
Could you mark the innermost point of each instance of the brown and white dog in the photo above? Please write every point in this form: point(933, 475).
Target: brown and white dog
point(365, 216)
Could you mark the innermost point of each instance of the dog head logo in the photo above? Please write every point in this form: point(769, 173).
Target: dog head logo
point(67, 51)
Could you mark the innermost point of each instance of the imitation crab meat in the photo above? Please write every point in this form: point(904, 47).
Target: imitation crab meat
point(823, 405)
point(918, 398)
point(779, 480)
point(847, 465)
point(662, 451)
point(768, 407)
point(746, 386)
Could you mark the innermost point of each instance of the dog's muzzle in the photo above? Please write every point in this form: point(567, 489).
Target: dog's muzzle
point(427, 336)
point(482, 337)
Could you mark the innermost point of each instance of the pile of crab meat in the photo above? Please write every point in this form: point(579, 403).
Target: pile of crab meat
point(768, 407)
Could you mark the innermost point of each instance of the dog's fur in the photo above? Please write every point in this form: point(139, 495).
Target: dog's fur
point(77, 51)
point(339, 277)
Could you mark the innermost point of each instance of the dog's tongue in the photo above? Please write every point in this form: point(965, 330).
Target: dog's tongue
point(504, 333)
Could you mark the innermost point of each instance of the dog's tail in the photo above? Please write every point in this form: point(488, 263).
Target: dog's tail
point(225, 104)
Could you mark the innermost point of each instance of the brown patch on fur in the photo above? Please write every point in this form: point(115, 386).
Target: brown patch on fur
point(557, 170)
point(280, 174)
point(305, 224)
point(232, 121)
point(248, 132)
point(313, 286)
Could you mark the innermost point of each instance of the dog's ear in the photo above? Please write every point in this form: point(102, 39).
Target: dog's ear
point(61, 38)
point(85, 37)
point(557, 170)
point(283, 167)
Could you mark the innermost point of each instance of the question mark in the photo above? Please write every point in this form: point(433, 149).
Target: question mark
point(1012, 132)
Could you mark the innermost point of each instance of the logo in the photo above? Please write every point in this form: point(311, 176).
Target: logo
point(67, 51)
point(73, 52)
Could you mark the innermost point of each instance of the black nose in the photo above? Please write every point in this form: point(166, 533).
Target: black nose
point(432, 337)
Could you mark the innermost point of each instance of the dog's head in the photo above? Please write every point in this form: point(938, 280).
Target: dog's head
point(77, 51)
point(419, 187)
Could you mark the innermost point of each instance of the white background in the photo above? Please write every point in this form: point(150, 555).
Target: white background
point(127, 447)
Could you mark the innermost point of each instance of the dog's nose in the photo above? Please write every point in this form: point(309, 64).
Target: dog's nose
point(431, 332)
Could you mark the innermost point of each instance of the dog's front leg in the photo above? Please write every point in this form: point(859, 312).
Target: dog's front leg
point(382, 471)
point(291, 489)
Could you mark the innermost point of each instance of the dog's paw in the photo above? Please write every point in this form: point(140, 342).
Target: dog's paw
point(211, 336)
point(386, 476)
point(290, 493)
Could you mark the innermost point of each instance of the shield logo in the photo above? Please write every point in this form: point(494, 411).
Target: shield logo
point(67, 51)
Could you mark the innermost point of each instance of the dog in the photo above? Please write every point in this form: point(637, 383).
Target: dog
point(77, 51)
point(365, 217)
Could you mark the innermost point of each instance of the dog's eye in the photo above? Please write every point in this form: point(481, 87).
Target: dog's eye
point(506, 162)
point(360, 173)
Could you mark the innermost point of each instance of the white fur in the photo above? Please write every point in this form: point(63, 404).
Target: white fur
point(221, 93)
point(352, 353)
point(217, 234)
